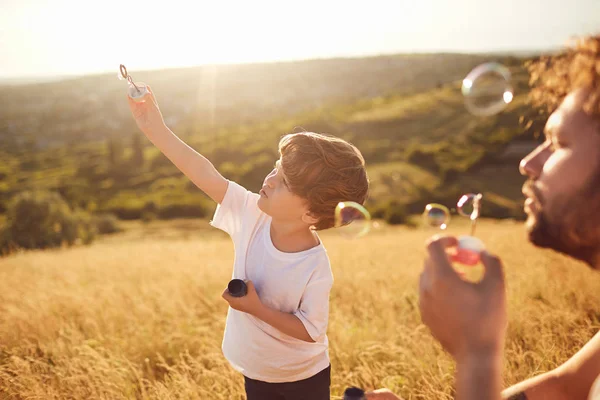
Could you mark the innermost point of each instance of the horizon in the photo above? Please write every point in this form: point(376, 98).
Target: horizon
point(25, 80)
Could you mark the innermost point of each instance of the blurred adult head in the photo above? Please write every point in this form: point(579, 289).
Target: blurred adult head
point(563, 190)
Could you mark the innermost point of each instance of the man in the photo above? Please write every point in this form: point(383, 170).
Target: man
point(563, 209)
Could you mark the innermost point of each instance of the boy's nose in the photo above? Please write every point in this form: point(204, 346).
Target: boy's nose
point(269, 182)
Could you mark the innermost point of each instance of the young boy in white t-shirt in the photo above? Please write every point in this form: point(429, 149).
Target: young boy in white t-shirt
point(276, 334)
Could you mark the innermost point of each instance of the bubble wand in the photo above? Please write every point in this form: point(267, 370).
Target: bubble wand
point(136, 92)
point(469, 247)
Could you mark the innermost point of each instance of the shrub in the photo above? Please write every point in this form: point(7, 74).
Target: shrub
point(87, 229)
point(39, 220)
point(182, 210)
point(106, 224)
point(393, 212)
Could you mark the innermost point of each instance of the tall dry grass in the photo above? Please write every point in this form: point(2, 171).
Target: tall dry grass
point(142, 318)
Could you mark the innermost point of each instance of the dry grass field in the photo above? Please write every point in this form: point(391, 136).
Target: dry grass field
point(139, 315)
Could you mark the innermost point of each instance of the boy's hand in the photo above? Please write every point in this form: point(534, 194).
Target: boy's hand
point(146, 113)
point(250, 303)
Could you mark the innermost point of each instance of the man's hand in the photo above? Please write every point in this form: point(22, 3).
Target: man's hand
point(382, 394)
point(250, 303)
point(468, 319)
point(147, 114)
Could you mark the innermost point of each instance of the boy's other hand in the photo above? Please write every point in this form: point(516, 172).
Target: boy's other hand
point(250, 303)
point(146, 113)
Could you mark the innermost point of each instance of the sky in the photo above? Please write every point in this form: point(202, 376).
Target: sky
point(41, 38)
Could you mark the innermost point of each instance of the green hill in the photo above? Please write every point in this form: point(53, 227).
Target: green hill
point(405, 113)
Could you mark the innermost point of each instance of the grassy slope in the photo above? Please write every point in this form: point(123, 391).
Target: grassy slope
point(140, 315)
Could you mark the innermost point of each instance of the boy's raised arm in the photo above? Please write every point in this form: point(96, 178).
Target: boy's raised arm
point(193, 164)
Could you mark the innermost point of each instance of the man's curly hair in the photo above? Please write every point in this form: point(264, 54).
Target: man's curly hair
point(552, 78)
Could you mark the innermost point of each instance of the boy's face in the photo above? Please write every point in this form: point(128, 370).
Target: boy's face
point(562, 193)
point(278, 201)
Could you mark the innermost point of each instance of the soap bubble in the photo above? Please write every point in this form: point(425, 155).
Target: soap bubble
point(352, 219)
point(487, 89)
point(436, 216)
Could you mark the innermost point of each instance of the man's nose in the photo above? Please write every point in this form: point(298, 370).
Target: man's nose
point(533, 164)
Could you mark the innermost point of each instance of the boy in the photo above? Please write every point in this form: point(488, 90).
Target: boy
point(275, 335)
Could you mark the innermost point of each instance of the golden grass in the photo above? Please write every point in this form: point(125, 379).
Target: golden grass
point(141, 317)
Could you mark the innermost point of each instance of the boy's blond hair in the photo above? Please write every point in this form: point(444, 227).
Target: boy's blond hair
point(324, 170)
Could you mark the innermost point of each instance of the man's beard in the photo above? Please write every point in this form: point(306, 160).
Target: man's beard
point(575, 231)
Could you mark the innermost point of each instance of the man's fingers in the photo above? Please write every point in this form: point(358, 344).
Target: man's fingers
point(425, 281)
point(424, 295)
point(494, 271)
point(437, 251)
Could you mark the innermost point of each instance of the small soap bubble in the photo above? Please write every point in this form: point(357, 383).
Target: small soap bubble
point(436, 216)
point(352, 219)
point(487, 89)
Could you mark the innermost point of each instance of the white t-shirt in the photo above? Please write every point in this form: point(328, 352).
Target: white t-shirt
point(297, 283)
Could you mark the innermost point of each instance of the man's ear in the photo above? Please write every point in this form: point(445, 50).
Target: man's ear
point(309, 219)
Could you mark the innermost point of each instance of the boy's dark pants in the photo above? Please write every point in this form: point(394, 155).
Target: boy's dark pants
point(314, 388)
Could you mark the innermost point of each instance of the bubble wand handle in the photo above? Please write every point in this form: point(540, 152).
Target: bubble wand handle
point(131, 81)
point(473, 225)
point(476, 212)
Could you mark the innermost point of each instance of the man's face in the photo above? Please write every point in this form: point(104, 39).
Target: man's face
point(563, 197)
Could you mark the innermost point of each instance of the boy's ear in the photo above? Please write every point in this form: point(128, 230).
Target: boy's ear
point(309, 219)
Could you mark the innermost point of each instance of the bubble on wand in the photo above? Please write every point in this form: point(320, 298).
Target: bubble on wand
point(469, 205)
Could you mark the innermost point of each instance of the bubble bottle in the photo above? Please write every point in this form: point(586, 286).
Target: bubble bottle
point(354, 393)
